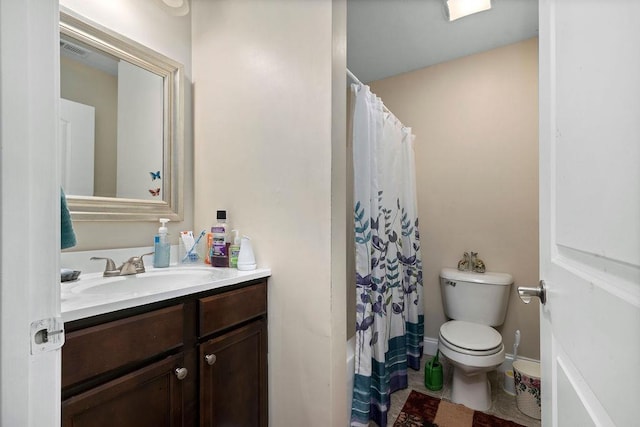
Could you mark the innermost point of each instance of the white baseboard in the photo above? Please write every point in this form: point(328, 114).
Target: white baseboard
point(431, 346)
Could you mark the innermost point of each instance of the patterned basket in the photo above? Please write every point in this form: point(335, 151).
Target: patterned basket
point(527, 381)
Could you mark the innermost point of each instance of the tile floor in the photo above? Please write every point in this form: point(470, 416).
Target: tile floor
point(503, 405)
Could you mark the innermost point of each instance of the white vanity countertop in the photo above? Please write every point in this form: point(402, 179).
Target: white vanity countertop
point(92, 295)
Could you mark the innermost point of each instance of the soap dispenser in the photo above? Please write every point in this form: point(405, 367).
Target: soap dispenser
point(162, 249)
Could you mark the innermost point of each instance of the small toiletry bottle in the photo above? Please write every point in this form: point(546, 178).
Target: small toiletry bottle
point(234, 250)
point(207, 258)
point(161, 247)
point(219, 254)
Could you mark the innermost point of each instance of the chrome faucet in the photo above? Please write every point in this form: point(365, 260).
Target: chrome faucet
point(133, 265)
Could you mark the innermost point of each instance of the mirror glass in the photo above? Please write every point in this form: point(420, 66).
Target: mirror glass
point(121, 124)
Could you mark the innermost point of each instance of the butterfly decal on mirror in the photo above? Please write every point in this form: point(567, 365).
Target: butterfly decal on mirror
point(155, 175)
point(155, 192)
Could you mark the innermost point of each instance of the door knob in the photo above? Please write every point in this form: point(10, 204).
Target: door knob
point(181, 373)
point(210, 359)
point(526, 293)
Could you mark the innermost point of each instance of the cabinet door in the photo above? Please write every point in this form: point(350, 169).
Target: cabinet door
point(148, 397)
point(233, 378)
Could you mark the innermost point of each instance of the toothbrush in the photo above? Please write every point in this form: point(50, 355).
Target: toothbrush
point(188, 254)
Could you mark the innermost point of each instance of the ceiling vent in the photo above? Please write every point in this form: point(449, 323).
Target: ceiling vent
point(74, 49)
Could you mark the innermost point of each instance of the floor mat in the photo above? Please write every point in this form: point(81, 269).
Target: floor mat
point(420, 410)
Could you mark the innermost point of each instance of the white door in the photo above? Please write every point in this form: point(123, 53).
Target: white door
point(590, 212)
point(30, 210)
point(77, 141)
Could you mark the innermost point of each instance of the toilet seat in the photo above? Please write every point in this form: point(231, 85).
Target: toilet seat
point(469, 338)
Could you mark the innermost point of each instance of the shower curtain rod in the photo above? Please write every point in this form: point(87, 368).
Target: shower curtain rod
point(356, 80)
point(353, 77)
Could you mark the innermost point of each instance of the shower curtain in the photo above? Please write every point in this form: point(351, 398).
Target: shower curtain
point(389, 310)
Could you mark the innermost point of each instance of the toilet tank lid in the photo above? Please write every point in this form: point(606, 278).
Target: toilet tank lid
point(489, 278)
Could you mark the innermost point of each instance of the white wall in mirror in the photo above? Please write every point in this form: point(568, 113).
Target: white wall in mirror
point(140, 138)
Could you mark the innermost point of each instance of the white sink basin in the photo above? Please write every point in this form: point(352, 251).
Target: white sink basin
point(149, 282)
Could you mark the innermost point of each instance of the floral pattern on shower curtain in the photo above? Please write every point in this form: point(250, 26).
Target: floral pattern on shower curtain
point(389, 310)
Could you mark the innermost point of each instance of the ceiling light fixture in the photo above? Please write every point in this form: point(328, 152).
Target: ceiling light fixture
point(456, 9)
point(177, 7)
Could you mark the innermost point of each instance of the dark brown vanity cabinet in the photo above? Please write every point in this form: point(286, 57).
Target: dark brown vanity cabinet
point(197, 360)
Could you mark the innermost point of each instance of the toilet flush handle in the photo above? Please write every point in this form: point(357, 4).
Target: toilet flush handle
point(526, 293)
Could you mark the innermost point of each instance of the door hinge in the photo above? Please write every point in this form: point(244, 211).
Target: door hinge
point(47, 335)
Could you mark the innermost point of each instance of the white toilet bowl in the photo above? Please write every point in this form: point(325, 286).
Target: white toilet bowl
point(473, 350)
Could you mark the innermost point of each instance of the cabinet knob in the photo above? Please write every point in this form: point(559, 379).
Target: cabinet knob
point(181, 373)
point(210, 359)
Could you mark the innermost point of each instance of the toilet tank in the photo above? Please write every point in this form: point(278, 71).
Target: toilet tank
point(475, 297)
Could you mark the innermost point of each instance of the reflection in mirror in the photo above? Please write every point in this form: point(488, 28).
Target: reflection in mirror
point(121, 123)
point(111, 125)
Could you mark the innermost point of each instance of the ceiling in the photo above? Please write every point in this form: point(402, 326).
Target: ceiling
point(390, 37)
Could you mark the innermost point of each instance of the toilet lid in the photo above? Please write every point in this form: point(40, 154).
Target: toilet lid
point(470, 336)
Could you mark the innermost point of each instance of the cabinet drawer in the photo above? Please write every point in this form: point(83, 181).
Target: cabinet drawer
point(99, 349)
point(221, 311)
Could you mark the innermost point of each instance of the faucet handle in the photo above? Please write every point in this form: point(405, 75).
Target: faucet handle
point(128, 267)
point(139, 262)
point(110, 269)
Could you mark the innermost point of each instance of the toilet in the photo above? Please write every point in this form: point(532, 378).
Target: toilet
point(475, 303)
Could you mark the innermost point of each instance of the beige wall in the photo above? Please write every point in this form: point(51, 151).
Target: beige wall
point(94, 87)
point(476, 126)
point(265, 145)
point(148, 23)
